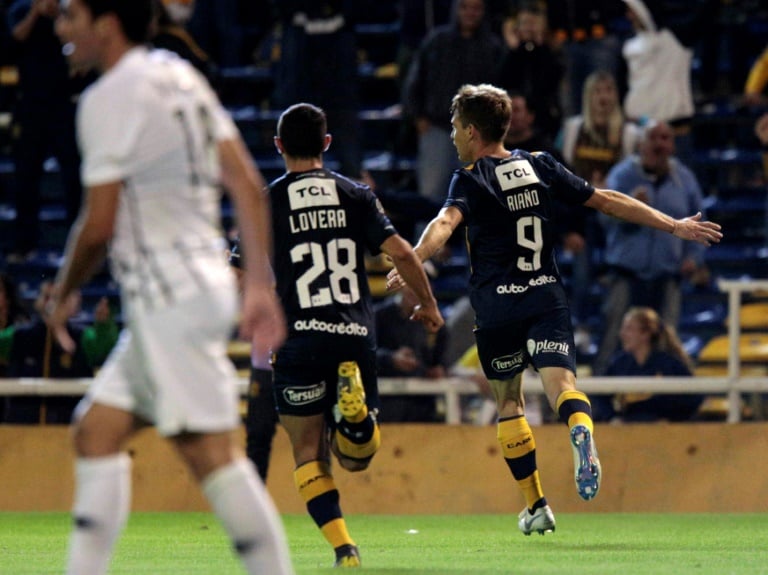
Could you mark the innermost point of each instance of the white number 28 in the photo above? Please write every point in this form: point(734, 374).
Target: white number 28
point(325, 259)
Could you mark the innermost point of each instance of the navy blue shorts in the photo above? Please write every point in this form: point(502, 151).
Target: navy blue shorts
point(306, 373)
point(545, 340)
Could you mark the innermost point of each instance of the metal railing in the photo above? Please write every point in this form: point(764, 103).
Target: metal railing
point(733, 385)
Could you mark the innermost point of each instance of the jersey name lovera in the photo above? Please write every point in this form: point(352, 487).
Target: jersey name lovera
point(317, 194)
point(317, 220)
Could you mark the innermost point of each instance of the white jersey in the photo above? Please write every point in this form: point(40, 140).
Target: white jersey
point(152, 122)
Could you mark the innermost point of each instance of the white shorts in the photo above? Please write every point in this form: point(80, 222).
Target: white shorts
point(170, 366)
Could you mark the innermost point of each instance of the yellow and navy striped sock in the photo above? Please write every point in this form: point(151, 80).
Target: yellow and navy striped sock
point(519, 449)
point(315, 485)
point(574, 408)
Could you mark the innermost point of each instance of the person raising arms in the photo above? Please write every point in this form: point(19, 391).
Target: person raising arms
point(506, 200)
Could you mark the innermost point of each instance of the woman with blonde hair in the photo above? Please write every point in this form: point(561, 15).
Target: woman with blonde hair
point(650, 347)
point(591, 144)
point(600, 136)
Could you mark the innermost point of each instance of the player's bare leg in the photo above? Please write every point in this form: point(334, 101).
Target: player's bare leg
point(314, 480)
point(575, 411)
point(519, 449)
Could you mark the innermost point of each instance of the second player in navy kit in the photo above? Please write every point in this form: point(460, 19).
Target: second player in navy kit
point(505, 200)
point(325, 373)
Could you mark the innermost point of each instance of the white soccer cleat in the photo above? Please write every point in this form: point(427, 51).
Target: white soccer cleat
point(542, 521)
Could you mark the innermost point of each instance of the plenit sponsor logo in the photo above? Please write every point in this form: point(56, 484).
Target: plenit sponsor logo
point(340, 328)
point(304, 395)
point(547, 346)
point(507, 362)
point(533, 282)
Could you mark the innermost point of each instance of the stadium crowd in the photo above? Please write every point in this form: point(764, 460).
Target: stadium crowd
point(527, 134)
point(585, 86)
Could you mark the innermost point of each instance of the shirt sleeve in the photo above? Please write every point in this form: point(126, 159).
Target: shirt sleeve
point(567, 186)
point(107, 133)
point(457, 194)
point(378, 226)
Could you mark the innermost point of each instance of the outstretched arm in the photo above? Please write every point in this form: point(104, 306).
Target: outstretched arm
point(437, 232)
point(627, 208)
point(413, 274)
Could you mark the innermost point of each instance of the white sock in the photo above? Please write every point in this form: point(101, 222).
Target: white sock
point(246, 511)
point(102, 504)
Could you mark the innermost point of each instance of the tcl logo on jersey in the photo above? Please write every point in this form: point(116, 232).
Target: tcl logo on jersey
point(516, 174)
point(507, 362)
point(547, 346)
point(304, 395)
point(311, 192)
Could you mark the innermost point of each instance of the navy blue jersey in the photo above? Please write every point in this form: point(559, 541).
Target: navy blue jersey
point(508, 207)
point(323, 223)
point(656, 364)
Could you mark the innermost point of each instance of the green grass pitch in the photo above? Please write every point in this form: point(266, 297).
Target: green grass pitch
point(584, 544)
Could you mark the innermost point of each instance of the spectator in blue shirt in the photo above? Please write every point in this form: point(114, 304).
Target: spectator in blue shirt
point(646, 266)
point(651, 348)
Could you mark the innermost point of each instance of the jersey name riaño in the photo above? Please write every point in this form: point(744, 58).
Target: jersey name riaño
point(323, 223)
point(508, 207)
point(153, 123)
